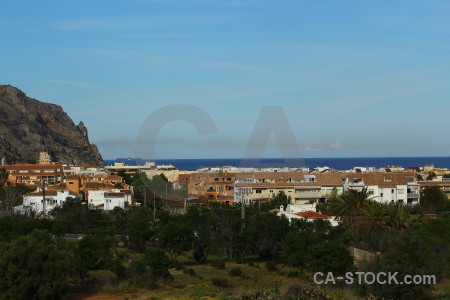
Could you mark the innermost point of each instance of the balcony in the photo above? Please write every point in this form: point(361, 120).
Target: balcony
point(413, 195)
point(308, 195)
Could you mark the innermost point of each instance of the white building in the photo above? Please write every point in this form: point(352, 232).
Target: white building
point(108, 200)
point(294, 212)
point(33, 203)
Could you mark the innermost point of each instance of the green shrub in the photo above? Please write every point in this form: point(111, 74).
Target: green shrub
point(293, 274)
point(190, 272)
point(219, 264)
point(221, 282)
point(235, 271)
point(271, 266)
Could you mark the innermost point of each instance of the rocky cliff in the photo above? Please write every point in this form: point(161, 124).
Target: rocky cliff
point(28, 126)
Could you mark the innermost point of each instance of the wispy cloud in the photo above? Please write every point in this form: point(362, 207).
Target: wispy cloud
point(317, 147)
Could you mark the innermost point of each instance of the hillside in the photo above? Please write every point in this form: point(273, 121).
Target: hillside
point(28, 126)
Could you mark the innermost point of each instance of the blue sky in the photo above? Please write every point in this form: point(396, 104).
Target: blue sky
point(355, 78)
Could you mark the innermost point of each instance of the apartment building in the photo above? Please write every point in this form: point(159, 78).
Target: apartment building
point(34, 175)
point(306, 188)
point(215, 187)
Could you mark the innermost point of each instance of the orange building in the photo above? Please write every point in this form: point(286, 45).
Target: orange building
point(215, 187)
point(34, 175)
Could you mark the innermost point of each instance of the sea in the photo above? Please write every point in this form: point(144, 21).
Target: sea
point(334, 163)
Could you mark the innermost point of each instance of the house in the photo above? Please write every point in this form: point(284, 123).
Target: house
point(108, 200)
point(33, 203)
point(307, 215)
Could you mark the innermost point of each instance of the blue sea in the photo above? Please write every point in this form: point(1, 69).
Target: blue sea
point(335, 163)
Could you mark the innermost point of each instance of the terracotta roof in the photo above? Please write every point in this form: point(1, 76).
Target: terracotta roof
point(311, 215)
point(49, 193)
point(431, 183)
point(98, 184)
point(280, 184)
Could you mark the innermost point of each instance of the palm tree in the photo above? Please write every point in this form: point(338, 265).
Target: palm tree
point(349, 204)
point(391, 215)
point(398, 215)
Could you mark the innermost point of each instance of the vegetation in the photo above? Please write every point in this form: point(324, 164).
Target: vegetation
point(212, 250)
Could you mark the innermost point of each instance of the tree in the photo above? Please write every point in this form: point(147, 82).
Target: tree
point(3, 177)
point(431, 176)
point(140, 228)
point(34, 267)
point(349, 204)
point(125, 176)
point(11, 196)
point(176, 238)
point(403, 253)
point(74, 217)
point(148, 269)
point(93, 252)
point(433, 199)
point(201, 222)
point(280, 199)
point(265, 233)
point(332, 257)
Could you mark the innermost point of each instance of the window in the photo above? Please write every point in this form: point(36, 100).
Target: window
point(401, 191)
point(228, 179)
point(271, 191)
point(392, 191)
point(71, 182)
point(259, 191)
point(381, 195)
point(216, 179)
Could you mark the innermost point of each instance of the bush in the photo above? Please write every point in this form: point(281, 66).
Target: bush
point(271, 266)
point(293, 274)
point(251, 264)
point(190, 272)
point(34, 266)
point(221, 282)
point(144, 272)
point(219, 264)
point(235, 271)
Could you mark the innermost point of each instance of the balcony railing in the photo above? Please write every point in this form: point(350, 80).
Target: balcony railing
point(413, 195)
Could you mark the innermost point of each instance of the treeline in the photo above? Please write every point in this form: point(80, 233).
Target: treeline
point(36, 262)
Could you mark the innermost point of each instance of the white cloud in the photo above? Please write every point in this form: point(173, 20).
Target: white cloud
point(316, 147)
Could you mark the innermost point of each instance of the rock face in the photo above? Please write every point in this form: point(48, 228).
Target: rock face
point(28, 126)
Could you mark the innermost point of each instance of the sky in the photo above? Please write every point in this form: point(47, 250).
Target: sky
point(352, 78)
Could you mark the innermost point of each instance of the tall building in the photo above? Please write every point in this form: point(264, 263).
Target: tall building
point(44, 158)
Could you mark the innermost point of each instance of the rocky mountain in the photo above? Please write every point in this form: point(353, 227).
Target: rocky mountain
point(28, 126)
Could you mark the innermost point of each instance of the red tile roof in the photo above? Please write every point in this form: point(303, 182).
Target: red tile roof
point(311, 215)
